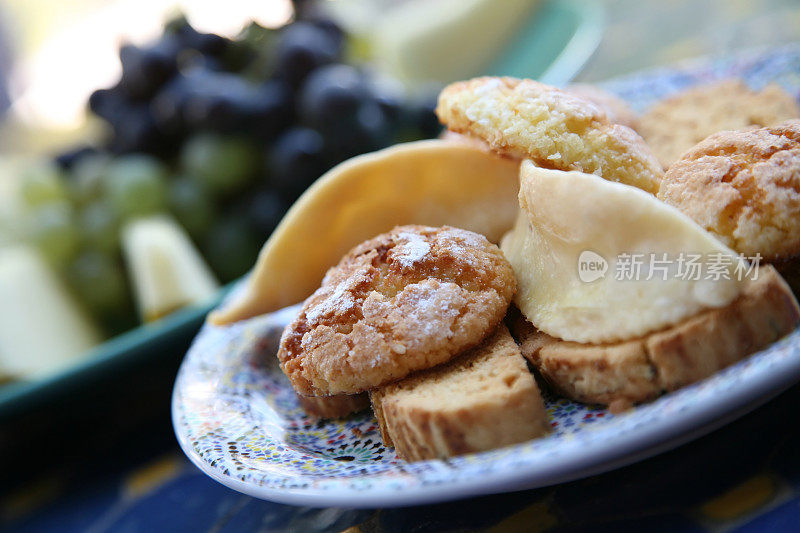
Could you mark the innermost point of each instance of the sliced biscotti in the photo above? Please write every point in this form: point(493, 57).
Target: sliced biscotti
point(336, 406)
point(637, 370)
point(484, 399)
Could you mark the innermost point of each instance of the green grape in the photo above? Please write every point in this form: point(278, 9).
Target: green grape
point(99, 227)
point(223, 165)
point(43, 185)
point(98, 281)
point(52, 229)
point(192, 206)
point(88, 177)
point(136, 186)
point(231, 248)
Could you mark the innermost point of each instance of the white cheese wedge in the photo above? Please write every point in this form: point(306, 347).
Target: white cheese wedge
point(576, 247)
point(446, 40)
point(167, 272)
point(42, 328)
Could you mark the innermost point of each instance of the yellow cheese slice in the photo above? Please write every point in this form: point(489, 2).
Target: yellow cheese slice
point(433, 182)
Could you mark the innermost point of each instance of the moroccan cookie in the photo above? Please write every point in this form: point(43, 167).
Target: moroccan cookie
point(674, 125)
point(552, 127)
point(617, 109)
point(404, 301)
point(483, 399)
point(744, 187)
point(336, 406)
point(620, 374)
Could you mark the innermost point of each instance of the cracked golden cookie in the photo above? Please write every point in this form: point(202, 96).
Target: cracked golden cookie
point(744, 187)
point(403, 301)
point(554, 128)
point(622, 373)
point(674, 125)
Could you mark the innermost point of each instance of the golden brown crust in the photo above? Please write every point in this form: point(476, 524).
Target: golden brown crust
point(641, 369)
point(337, 406)
point(700, 346)
point(617, 109)
point(589, 373)
point(552, 127)
point(403, 301)
point(674, 125)
point(481, 400)
point(744, 187)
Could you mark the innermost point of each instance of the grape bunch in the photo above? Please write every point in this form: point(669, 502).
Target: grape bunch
point(223, 134)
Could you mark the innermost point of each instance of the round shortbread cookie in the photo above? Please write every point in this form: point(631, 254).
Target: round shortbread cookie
point(744, 187)
point(674, 125)
point(552, 127)
point(406, 300)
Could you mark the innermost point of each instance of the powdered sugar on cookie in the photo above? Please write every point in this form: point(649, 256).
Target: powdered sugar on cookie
point(412, 250)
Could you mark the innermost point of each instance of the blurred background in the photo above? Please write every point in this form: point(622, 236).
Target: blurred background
point(148, 148)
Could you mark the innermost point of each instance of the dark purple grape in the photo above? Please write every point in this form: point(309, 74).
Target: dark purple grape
point(67, 160)
point(145, 69)
point(135, 130)
point(333, 30)
point(302, 48)
point(222, 102)
point(390, 95)
point(265, 210)
point(422, 116)
point(192, 59)
point(374, 129)
point(368, 130)
point(296, 159)
point(332, 94)
point(231, 247)
point(260, 110)
point(108, 103)
point(188, 37)
point(167, 107)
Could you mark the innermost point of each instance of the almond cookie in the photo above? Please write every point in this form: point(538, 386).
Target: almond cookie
point(406, 300)
point(674, 125)
point(552, 127)
point(623, 373)
point(336, 406)
point(483, 399)
point(743, 187)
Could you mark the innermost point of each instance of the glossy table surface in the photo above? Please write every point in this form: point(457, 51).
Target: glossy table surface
point(745, 476)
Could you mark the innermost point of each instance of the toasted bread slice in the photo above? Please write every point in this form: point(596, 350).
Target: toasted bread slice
point(336, 406)
point(484, 399)
point(619, 374)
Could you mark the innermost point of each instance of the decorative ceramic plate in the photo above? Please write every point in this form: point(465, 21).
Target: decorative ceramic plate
point(237, 418)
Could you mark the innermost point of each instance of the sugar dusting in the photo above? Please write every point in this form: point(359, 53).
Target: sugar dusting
point(462, 244)
point(412, 251)
point(432, 309)
point(340, 300)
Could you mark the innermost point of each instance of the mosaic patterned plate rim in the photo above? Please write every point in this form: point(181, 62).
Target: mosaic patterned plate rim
point(236, 419)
